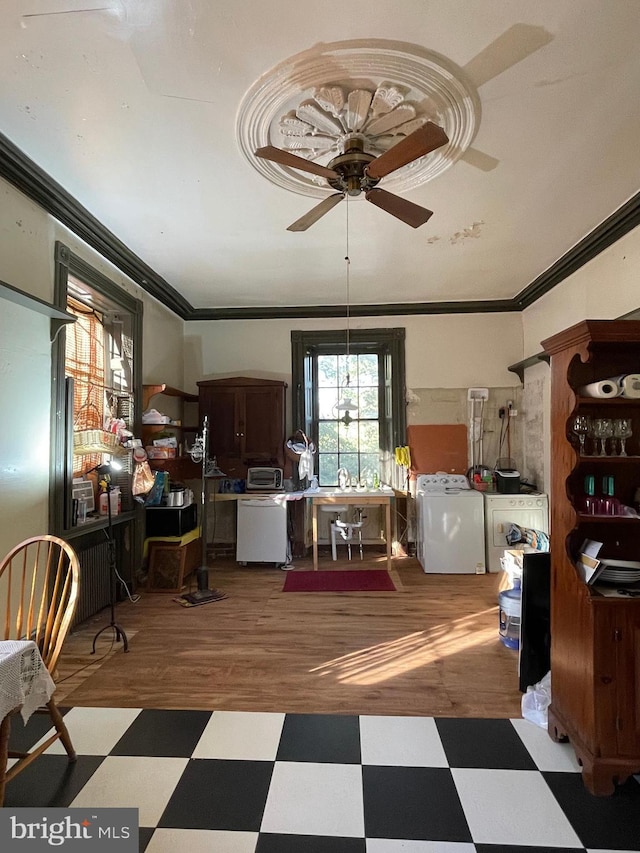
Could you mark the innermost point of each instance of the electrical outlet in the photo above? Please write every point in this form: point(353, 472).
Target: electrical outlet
point(512, 412)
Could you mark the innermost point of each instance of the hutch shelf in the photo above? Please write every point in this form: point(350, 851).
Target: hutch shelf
point(595, 632)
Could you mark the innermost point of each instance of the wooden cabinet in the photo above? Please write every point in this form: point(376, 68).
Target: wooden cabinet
point(595, 638)
point(182, 409)
point(246, 422)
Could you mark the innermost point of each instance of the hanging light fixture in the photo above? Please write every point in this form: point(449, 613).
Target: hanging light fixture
point(345, 404)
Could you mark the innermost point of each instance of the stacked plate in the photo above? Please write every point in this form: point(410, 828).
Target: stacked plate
point(620, 571)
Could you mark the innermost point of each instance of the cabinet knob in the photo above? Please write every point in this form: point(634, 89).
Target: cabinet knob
point(606, 679)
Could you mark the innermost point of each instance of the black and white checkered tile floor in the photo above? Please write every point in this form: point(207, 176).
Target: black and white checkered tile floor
point(238, 782)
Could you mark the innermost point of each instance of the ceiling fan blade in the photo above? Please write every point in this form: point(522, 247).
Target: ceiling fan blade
point(316, 212)
point(407, 211)
point(277, 155)
point(423, 140)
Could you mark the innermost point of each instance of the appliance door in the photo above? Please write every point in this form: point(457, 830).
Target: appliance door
point(501, 512)
point(264, 479)
point(262, 531)
point(452, 531)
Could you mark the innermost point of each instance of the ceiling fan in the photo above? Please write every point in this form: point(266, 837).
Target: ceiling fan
point(356, 172)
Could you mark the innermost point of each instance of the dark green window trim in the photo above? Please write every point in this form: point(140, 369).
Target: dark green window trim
point(67, 263)
point(389, 343)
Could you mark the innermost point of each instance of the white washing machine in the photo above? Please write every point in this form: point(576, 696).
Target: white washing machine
point(500, 511)
point(450, 525)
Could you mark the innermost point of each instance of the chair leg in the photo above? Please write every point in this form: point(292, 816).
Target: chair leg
point(61, 728)
point(360, 541)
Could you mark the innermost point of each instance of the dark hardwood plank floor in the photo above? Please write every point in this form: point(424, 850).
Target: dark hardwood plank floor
point(430, 648)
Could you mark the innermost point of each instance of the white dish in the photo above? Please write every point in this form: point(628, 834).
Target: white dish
point(620, 577)
point(619, 564)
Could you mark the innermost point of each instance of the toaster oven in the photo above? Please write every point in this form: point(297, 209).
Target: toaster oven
point(264, 480)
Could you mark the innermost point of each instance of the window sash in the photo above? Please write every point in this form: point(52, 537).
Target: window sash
point(389, 344)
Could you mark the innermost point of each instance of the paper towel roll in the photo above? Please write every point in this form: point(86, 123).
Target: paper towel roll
point(605, 388)
point(629, 384)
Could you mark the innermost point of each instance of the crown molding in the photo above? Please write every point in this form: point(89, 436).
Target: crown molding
point(36, 184)
point(40, 187)
point(621, 221)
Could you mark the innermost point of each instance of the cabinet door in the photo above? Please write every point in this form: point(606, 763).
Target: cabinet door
point(221, 407)
point(262, 425)
point(628, 682)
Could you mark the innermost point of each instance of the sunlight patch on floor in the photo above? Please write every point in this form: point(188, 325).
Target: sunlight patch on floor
point(383, 661)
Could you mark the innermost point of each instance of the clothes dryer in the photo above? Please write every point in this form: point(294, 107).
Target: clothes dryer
point(450, 528)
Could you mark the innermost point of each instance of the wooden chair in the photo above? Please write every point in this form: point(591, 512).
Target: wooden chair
point(40, 578)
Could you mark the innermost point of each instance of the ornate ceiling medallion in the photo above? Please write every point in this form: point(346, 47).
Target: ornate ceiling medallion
point(376, 91)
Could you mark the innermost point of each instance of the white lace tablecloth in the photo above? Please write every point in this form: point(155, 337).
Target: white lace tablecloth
point(24, 679)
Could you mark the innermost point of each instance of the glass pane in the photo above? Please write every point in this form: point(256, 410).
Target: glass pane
point(327, 370)
point(350, 462)
point(369, 434)
point(327, 399)
point(348, 394)
point(348, 437)
point(328, 469)
point(328, 436)
point(368, 369)
point(369, 464)
point(368, 403)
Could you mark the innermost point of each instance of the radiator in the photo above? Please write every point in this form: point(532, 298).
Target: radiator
point(95, 579)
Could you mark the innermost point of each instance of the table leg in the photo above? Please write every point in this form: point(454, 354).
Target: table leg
point(5, 728)
point(314, 534)
point(387, 520)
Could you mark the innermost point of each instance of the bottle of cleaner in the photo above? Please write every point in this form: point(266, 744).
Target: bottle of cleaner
point(116, 501)
point(103, 506)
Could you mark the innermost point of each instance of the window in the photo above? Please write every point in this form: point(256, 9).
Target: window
point(354, 445)
point(376, 371)
point(95, 379)
point(99, 361)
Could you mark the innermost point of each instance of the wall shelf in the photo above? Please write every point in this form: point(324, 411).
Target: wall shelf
point(520, 366)
point(59, 318)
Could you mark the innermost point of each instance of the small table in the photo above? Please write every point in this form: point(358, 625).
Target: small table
point(25, 685)
point(354, 498)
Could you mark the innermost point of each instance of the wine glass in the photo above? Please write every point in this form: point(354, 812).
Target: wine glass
point(580, 425)
point(602, 429)
point(623, 431)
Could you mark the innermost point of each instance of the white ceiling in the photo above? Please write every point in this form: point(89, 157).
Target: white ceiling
point(132, 106)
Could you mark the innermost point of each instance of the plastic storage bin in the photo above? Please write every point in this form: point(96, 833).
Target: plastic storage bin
point(510, 601)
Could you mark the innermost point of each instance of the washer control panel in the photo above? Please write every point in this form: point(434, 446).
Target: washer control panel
point(441, 482)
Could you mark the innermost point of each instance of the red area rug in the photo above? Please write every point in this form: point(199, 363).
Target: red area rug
point(365, 580)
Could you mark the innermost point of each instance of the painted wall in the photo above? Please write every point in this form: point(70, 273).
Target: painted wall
point(604, 289)
point(27, 240)
point(25, 390)
point(447, 352)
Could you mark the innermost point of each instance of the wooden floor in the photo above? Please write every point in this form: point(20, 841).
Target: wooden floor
point(430, 648)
